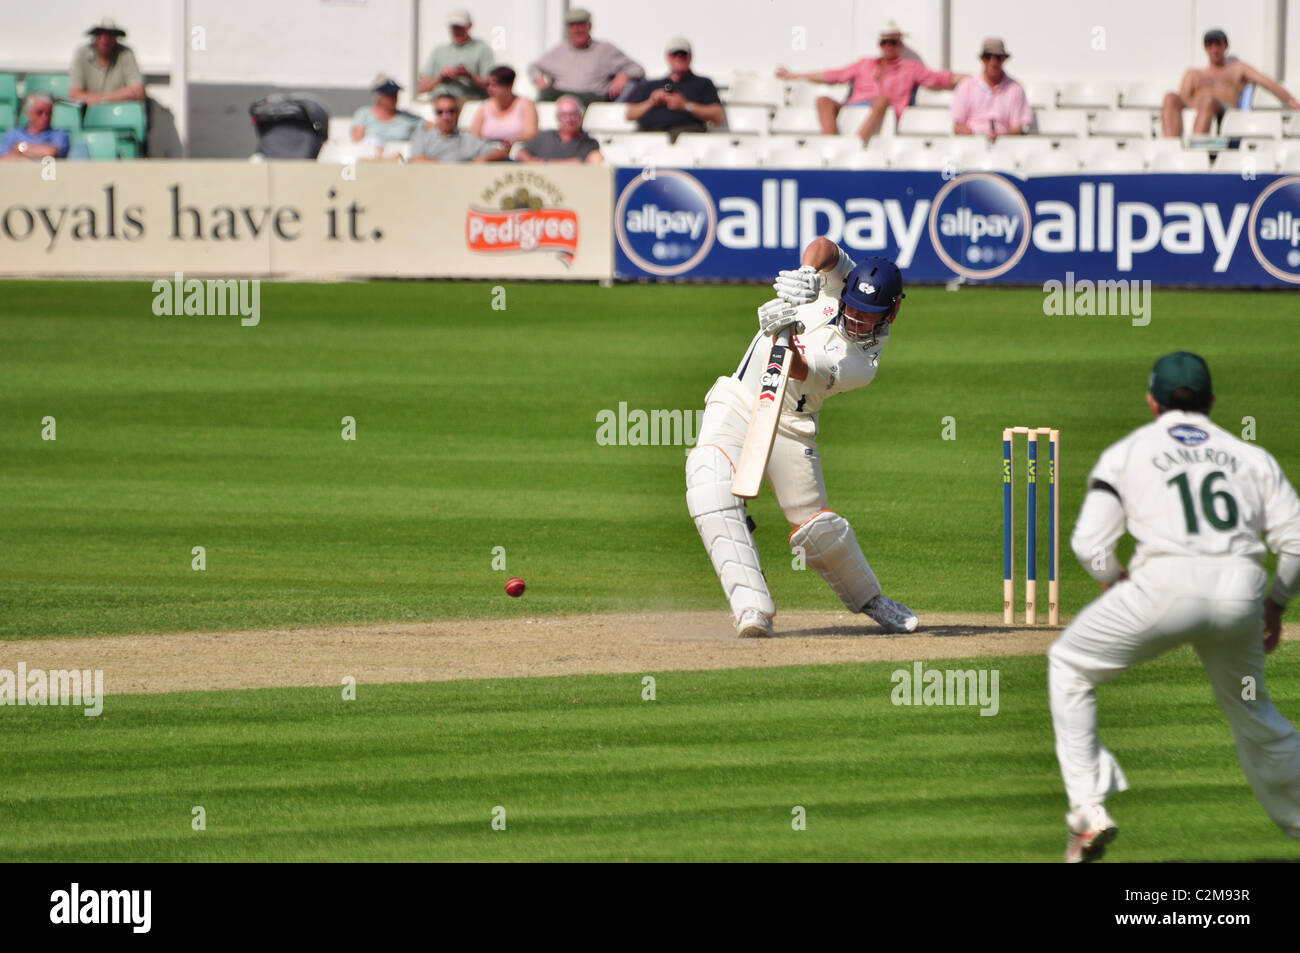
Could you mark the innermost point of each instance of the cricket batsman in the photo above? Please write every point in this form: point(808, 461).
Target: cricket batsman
point(1202, 505)
point(841, 314)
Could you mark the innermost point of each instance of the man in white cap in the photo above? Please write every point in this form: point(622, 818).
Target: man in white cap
point(104, 70)
point(991, 104)
point(592, 70)
point(459, 68)
point(680, 102)
point(882, 82)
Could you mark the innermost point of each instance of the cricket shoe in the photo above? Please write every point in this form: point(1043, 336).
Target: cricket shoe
point(752, 624)
point(1091, 829)
point(892, 616)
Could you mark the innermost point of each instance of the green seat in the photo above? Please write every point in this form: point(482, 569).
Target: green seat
point(99, 143)
point(56, 84)
point(127, 149)
point(66, 116)
point(128, 120)
point(9, 88)
point(8, 116)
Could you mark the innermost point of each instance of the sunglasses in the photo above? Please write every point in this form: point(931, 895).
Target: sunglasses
point(446, 112)
point(891, 42)
point(39, 112)
point(993, 56)
point(679, 53)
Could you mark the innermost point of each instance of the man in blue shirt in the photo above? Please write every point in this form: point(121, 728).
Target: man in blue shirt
point(38, 140)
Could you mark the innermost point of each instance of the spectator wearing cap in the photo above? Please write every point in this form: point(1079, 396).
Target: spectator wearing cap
point(442, 141)
point(881, 82)
point(682, 101)
point(567, 144)
point(105, 70)
point(1215, 89)
point(382, 122)
point(36, 140)
point(504, 117)
point(991, 104)
point(592, 70)
point(459, 68)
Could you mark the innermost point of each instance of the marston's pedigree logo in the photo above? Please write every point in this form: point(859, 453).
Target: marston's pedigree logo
point(524, 221)
point(980, 225)
point(1274, 229)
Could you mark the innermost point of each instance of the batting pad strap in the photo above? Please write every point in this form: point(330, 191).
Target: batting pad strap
point(830, 547)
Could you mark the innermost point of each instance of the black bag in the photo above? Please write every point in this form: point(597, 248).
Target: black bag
point(289, 128)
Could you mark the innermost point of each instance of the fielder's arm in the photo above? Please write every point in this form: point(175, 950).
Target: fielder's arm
point(1100, 525)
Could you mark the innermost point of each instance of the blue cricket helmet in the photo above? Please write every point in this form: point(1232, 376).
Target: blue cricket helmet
point(874, 286)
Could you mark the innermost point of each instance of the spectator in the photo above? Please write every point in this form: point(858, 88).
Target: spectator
point(383, 122)
point(104, 70)
point(38, 140)
point(441, 141)
point(592, 70)
point(569, 144)
point(504, 117)
point(992, 104)
point(889, 80)
point(458, 68)
point(1211, 91)
point(680, 102)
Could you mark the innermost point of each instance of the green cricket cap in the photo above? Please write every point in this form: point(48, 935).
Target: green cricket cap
point(1180, 369)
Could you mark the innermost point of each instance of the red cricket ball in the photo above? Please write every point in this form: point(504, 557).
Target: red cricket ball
point(515, 587)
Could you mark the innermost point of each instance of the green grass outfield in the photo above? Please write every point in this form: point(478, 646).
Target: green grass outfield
point(587, 770)
point(476, 428)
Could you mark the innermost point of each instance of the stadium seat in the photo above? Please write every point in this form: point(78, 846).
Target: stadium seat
point(66, 116)
point(930, 123)
point(748, 120)
point(397, 150)
point(799, 120)
point(467, 113)
point(1251, 125)
point(1261, 161)
point(546, 116)
point(607, 117)
point(667, 156)
point(789, 157)
point(56, 84)
point(1057, 162)
point(805, 95)
point(1189, 120)
point(1012, 151)
point(914, 156)
point(871, 158)
point(739, 155)
point(933, 98)
point(9, 88)
point(100, 144)
point(126, 119)
point(701, 143)
point(1186, 161)
point(340, 129)
point(1143, 95)
point(1266, 100)
point(640, 146)
point(1040, 95)
point(1102, 148)
point(8, 116)
point(1118, 160)
point(1061, 123)
point(1087, 94)
point(750, 89)
point(851, 119)
point(833, 148)
point(1128, 122)
point(616, 155)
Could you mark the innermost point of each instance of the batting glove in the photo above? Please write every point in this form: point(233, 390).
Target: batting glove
point(777, 315)
point(798, 287)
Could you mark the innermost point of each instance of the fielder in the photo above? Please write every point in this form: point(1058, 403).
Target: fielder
point(1198, 501)
point(842, 314)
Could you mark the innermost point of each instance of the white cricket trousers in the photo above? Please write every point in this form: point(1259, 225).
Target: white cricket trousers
point(1213, 605)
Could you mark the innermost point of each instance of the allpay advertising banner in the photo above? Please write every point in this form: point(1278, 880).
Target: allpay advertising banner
point(1220, 230)
point(305, 220)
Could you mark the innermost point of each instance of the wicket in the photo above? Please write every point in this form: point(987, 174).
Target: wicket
point(1031, 534)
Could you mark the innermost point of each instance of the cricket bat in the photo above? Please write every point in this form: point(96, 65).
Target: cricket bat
point(762, 422)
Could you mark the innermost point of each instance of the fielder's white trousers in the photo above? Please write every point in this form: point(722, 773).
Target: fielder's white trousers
point(1213, 605)
point(795, 470)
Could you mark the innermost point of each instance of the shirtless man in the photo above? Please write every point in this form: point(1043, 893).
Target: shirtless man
point(1214, 89)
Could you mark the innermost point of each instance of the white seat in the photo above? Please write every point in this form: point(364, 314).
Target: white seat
point(934, 98)
point(616, 154)
point(1251, 125)
point(1087, 94)
point(1103, 147)
point(789, 157)
point(1060, 123)
point(1189, 120)
point(1261, 161)
point(851, 118)
point(467, 114)
point(608, 117)
point(931, 123)
point(832, 148)
point(748, 120)
point(546, 116)
point(1040, 95)
point(915, 156)
point(752, 89)
point(1060, 161)
point(794, 120)
point(804, 94)
point(1185, 161)
point(728, 155)
point(1126, 122)
point(670, 157)
point(1015, 149)
point(872, 157)
point(639, 145)
point(1266, 100)
point(701, 143)
point(344, 152)
point(1143, 95)
point(340, 129)
point(1116, 161)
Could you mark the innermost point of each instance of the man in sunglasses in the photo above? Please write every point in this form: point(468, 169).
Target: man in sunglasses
point(880, 82)
point(991, 104)
point(442, 141)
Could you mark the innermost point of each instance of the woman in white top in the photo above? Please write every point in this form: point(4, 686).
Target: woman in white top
point(504, 117)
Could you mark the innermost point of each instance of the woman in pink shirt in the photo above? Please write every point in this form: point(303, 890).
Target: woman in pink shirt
point(504, 117)
point(882, 82)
